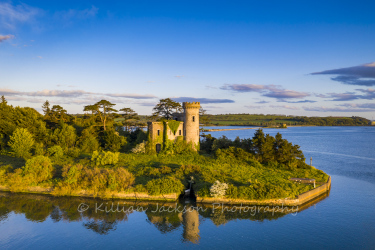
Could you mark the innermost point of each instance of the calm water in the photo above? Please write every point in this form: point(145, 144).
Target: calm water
point(343, 219)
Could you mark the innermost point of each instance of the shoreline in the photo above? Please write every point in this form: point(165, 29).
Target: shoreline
point(101, 195)
point(173, 197)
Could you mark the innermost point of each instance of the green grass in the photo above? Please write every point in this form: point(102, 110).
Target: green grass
point(158, 174)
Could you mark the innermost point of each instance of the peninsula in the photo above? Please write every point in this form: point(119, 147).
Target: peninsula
point(94, 156)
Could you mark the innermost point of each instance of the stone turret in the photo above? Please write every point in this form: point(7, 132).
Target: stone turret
point(191, 122)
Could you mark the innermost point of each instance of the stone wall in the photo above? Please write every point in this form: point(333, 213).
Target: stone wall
point(191, 121)
point(315, 192)
point(153, 128)
point(179, 132)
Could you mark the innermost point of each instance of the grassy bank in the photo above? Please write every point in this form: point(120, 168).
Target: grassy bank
point(157, 175)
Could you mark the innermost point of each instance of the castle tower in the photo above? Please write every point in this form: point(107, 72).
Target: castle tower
point(191, 121)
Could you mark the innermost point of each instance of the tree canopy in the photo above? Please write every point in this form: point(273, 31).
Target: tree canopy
point(103, 109)
point(166, 107)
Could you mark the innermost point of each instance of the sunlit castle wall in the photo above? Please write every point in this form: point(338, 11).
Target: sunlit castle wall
point(191, 121)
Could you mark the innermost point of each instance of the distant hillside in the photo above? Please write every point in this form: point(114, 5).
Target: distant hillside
point(276, 120)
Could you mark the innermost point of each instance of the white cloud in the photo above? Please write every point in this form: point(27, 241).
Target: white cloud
point(273, 91)
point(12, 15)
point(71, 96)
point(284, 107)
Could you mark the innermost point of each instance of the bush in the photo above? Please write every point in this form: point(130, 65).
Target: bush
point(56, 152)
point(104, 158)
point(165, 185)
point(119, 179)
point(73, 152)
point(140, 148)
point(218, 189)
point(38, 169)
point(5, 170)
point(77, 177)
point(38, 149)
point(21, 142)
point(72, 174)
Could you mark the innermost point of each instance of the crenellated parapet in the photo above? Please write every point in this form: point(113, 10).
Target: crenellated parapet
point(191, 105)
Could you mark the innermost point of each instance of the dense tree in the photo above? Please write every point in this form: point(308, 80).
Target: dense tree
point(88, 141)
point(207, 142)
point(21, 142)
point(91, 108)
point(267, 152)
point(113, 141)
point(166, 107)
point(3, 101)
point(65, 136)
point(38, 169)
point(58, 113)
point(258, 141)
point(46, 108)
point(105, 111)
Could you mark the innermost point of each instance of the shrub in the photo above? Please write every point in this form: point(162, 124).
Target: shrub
point(165, 185)
point(15, 181)
point(218, 189)
point(21, 142)
point(5, 170)
point(73, 152)
point(104, 158)
point(38, 169)
point(38, 149)
point(119, 179)
point(72, 174)
point(56, 151)
point(77, 177)
point(140, 148)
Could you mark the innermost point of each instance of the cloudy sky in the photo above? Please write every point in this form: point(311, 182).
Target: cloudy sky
point(270, 57)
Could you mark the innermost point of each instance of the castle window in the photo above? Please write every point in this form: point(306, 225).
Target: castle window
point(158, 131)
point(179, 132)
point(193, 118)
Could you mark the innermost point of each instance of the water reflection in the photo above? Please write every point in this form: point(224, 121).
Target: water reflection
point(103, 217)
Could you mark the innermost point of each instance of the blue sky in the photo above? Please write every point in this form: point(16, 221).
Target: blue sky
point(270, 57)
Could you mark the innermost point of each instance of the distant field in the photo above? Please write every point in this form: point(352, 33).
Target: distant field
point(276, 120)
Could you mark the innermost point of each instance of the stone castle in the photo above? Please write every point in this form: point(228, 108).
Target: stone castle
point(184, 126)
